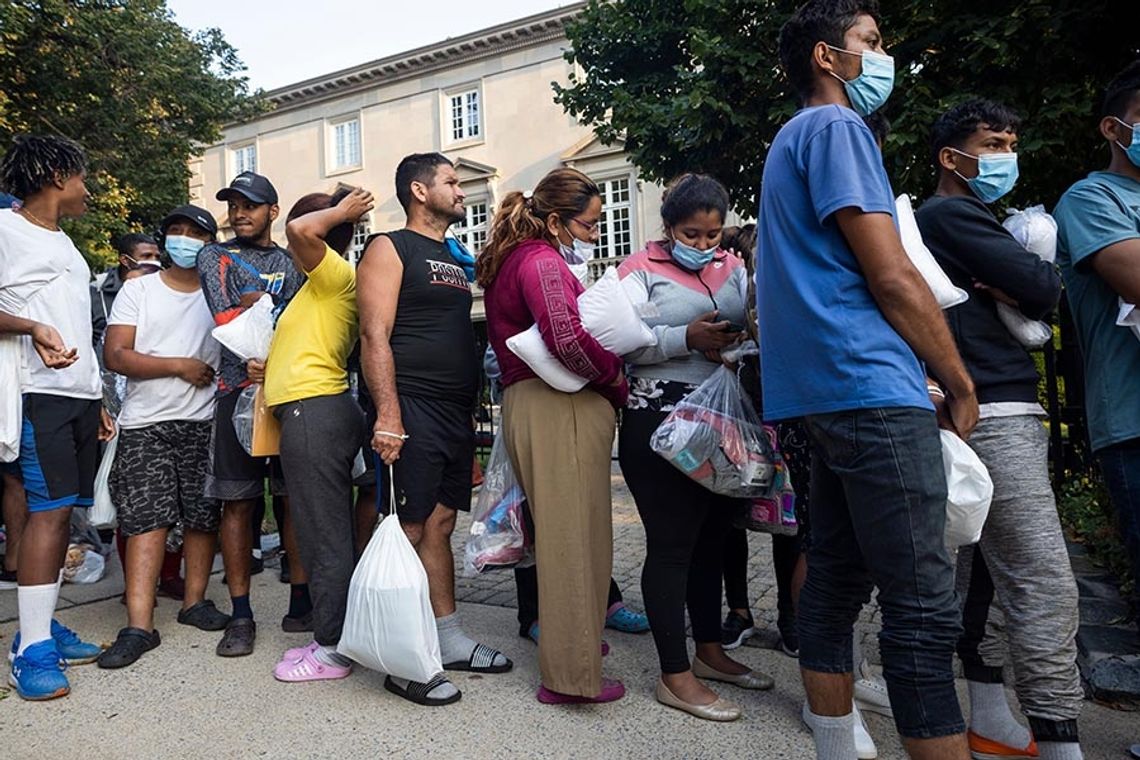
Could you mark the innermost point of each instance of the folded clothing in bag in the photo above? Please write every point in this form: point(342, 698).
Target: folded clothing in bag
point(1037, 233)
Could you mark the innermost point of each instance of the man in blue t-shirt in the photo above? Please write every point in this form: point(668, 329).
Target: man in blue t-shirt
point(845, 319)
point(1098, 250)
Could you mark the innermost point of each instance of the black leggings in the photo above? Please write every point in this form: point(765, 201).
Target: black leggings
point(785, 555)
point(685, 527)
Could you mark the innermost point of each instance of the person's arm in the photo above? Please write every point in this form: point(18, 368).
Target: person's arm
point(1119, 266)
point(906, 302)
point(307, 233)
point(378, 280)
point(45, 338)
point(994, 258)
point(121, 357)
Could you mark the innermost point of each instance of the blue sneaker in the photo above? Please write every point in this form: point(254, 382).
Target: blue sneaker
point(72, 650)
point(36, 673)
point(622, 618)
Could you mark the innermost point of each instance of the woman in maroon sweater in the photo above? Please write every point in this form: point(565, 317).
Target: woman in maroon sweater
point(559, 443)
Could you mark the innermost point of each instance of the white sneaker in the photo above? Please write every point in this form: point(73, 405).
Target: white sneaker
point(871, 692)
point(864, 745)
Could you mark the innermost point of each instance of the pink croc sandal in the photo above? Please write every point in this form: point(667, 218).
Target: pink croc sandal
point(297, 653)
point(308, 668)
point(612, 690)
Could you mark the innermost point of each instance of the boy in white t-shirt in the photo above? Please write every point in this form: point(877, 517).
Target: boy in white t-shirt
point(158, 337)
point(44, 297)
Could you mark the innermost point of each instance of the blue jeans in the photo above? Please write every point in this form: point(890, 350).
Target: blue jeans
point(1121, 467)
point(878, 513)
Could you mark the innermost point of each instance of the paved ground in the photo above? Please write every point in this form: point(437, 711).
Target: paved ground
point(182, 701)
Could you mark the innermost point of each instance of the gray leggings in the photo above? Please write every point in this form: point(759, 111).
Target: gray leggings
point(1033, 583)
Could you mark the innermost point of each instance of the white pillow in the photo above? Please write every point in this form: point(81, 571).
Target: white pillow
point(607, 314)
point(945, 292)
point(1037, 233)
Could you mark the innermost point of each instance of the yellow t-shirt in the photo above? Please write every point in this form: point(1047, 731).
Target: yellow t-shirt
point(314, 336)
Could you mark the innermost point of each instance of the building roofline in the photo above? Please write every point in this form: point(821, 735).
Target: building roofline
point(519, 33)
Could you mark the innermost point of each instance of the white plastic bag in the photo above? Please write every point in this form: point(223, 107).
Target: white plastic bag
point(249, 334)
point(83, 564)
point(714, 436)
point(945, 292)
point(1037, 233)
point(969, 491)
point(1128, 317)
point(607, 314)
point(11, 402)
point(498, 528)
point(389, 624)
point(103, 512)
point(243, 417)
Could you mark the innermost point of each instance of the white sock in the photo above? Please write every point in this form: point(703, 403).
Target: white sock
point(834, 736)
point(1060, 751)
point(991, 717)
point(37, 604)
point(329, 656)
point(455, 645)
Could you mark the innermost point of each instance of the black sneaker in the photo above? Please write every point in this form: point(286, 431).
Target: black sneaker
point(285, 575)
point(129, 646)
point(789, 641)
point(736, 630)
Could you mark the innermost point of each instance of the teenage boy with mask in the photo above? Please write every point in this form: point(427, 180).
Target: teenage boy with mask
point(44, 297)
point(136, 251)
point(847, 321)
point(158, 336)
point(234, 275)
point(1098, 250)
point(1022, 547)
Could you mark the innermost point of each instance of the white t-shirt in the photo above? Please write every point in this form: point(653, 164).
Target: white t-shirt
point(43, 277)
point(168, 323)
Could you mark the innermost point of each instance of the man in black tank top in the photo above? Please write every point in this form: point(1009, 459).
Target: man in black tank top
point(417, 351)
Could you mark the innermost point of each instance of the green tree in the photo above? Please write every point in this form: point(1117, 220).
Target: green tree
point(138, 91)
point(696, 84)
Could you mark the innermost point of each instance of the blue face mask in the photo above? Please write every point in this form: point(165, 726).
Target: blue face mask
point(997, 174)
point(693, 259)
point(1132, 150)
point(183, 250)
point(868, 91)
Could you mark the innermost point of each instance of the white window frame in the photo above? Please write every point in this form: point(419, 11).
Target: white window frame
point(467, 234)
point(237, 163)
point(605, 247)
point(360, 233)
point(470, 133)
point(331, 127)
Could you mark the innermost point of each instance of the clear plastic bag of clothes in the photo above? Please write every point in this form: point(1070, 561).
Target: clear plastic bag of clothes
point(715, 437)
point(499, 536)
point(775, 512)
point(243, 418)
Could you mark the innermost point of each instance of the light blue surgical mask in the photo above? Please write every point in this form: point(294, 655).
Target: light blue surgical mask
point(578, 253)
point(997, 174)
point(183, 250)
point(1132, 150)
point(693, 259)
point(870, 90)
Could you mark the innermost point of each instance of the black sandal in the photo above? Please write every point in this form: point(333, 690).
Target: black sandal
point(418, 692)
point(204, 616)
point(481, 660)
point(129, 646)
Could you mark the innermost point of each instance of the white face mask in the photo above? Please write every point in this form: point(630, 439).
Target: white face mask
point(579, 253)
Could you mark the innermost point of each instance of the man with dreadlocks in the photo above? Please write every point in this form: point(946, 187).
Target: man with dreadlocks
point(44, 299)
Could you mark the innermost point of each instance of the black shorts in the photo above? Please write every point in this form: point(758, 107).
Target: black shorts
point(59, 451)
point(158, 476)
point(367, 479)
point(232, 474)
point(435, 463)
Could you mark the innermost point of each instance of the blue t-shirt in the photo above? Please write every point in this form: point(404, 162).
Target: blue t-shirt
point(1102, 209)
point(825, 346)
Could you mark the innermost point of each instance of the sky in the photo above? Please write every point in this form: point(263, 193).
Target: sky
point(287, 41)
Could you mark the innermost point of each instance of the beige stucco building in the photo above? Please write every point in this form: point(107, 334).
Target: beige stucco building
point(484, 100)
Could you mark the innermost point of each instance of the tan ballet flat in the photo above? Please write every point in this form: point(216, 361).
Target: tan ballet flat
point(721, 710)
point(753, 679)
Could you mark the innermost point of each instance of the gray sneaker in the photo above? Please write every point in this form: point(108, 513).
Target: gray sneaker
point(238, 638)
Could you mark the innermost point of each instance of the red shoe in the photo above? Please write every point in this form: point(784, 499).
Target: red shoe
point(982, 748)
point(612, 690)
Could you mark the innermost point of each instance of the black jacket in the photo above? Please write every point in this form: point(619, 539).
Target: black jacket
point(972, 246)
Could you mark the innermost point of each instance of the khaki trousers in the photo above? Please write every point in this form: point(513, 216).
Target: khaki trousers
point(560, 445)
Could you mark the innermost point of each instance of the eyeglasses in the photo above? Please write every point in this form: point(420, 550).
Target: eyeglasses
point(590, 228)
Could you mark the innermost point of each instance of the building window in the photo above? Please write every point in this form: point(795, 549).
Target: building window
point(245, 159)
point(360, 235)
point(346, 144)
point(465, 114)
point(472, 231)
point(616, 224)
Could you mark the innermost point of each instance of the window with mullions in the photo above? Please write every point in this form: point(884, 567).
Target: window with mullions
point(346, 144)
point(615, 227)
point(465, 114)
point(472, 231)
